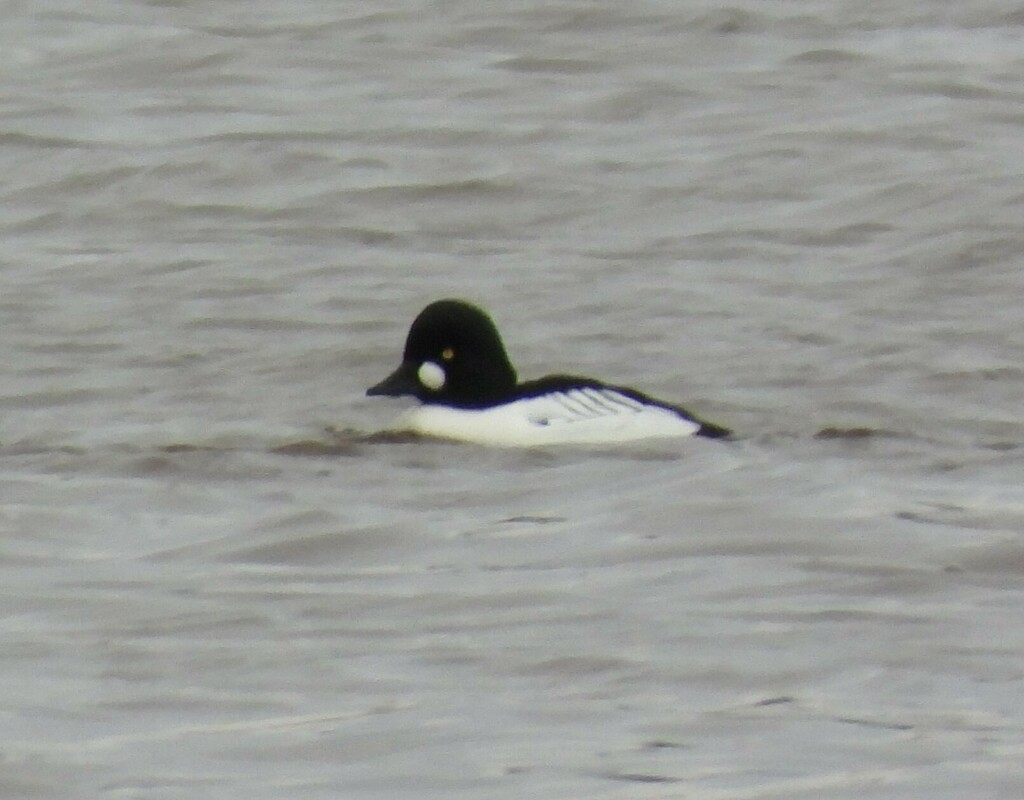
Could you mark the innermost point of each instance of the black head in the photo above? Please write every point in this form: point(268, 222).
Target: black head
point(453, 355)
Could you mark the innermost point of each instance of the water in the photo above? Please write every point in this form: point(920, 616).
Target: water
point(801, 220)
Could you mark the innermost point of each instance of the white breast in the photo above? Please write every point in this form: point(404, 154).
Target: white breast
point(577, 416)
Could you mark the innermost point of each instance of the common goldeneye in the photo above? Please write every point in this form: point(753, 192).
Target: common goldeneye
point(455, 364)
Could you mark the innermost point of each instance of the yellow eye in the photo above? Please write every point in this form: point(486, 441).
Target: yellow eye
point(447, 354)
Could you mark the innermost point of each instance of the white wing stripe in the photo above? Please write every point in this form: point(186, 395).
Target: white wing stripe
point(617, 400)
point(571, 402)
point(584, 407)
point(597, 402)
point(579, 400)
point(592, 402)
point(601, 400)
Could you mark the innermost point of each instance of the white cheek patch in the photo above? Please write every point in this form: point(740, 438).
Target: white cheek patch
point(431, 375)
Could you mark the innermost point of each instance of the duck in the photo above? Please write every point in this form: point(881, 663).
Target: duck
point(456, 365)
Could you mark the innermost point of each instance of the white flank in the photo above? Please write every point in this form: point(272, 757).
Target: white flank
point(577, 416)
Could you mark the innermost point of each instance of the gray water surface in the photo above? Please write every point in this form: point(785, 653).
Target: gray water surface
point(800, 220)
